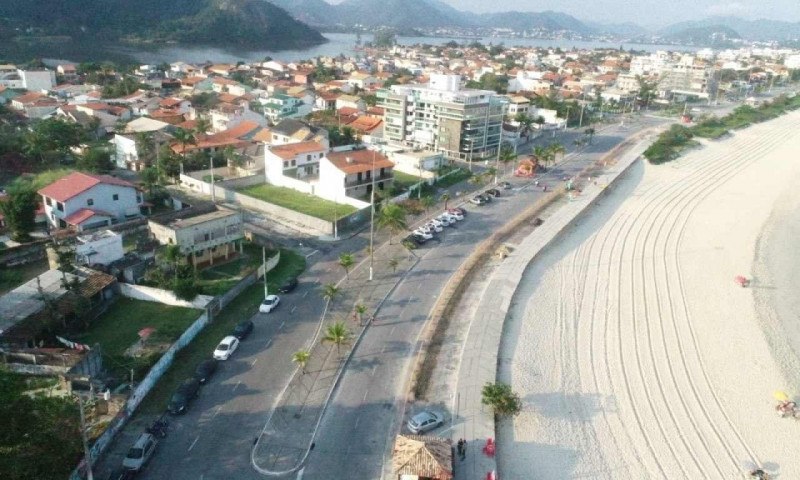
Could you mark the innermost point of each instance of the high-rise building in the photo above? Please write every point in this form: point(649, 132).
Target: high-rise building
point(440, 116)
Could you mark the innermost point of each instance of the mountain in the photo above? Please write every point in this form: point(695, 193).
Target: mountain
point(625, 30)
point(756, 30)
point(399, 14)
point(548, 20)
point(221, 23)
point(312, 12)
point(712, 35)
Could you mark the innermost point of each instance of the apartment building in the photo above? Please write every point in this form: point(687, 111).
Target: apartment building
point(443, 117)
point(689, 77)
point(203, 236)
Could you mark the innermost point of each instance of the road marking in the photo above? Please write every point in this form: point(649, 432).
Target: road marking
point(192, 445)
point(356, 424)
point(305, 293)
point(268, 342)
point(254, 361)
point(300, 473)
point(237, 385)
point(373, 370)
point(366, 392)
point(312, 253)
point(391, 331)
point(383, 349)
point(216, 411)
point(293, 309)
point(282, 324)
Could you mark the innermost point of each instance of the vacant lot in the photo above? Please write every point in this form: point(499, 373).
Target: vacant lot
point(299, 202)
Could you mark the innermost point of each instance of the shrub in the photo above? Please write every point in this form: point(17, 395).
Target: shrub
point(501, 398)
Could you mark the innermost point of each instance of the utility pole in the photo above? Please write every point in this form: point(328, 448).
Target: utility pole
point(497, 158)
point(372, 220)
point(264, 263)
point(211, 171)
point(87, 455)
point(580, 123)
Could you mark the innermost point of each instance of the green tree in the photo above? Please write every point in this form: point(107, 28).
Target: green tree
point(338, 334)
point(360, 310)
point(346, 261)
point(149, 178)
point(184, 137)
point(202, 125)
point(589, 132)
point(507, 156)
point(301, 358)
point(384, 39)
point(95, 159)
point(556, 149)
point(501, 398)
point(445, 198)
point(393, 218)
point(428, 202)
point(20, 209)
point(330, 291)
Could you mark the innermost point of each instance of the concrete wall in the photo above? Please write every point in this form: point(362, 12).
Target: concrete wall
point(150, 294)
point(240, 182)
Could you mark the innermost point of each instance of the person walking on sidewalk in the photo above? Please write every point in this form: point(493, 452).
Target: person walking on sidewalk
point(460, 447)
point(463, 449)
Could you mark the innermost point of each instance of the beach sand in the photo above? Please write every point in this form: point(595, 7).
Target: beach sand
point(635, 353)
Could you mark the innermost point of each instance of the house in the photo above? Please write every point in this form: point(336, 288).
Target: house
point(518, 104)
point(34, 105)
point(325, 101)
point(297, 160)
point(225, 85)
point(240, 136)
point(350, 101)
point(33, 80)
point(203, 236)
point(281, 106)
point(45, 303)
point(353, 173)
point(362, 80)
point(416, 162)
point(365, 125)
point(229, 115)
point(68, 71)
point(418, 457)
point(99, 248)
point(83, 201)
point(292, 131)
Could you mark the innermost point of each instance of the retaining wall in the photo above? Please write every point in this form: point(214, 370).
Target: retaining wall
point(151, 294)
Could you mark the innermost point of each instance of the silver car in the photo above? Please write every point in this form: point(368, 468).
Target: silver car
point(425, 421)
point(140, 452)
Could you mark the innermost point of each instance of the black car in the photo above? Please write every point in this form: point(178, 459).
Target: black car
point(183, 396)
point(486, 198)
point(287, 287)
point(243, 329)
point(205, 370)
point(493, 192)
point(121, 474)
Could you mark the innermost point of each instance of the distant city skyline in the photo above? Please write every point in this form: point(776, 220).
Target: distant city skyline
point(647, 13)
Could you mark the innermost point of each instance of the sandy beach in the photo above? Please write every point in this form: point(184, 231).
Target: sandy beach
point(635, 353)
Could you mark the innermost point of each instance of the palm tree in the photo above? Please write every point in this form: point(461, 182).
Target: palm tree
point(184, 137)
point(445, 197)
point(144, 147)
point(149, 178)
point(507, 155)
point(427, 202)
point(301, 358)
point(541, 154)
point(590, 133)
point(394, 263)
point(232, 158)
point(202, 126)
point(337, 334)
point(360, 310)
point(525, 122)
point(346, 261)
point(393, 218)
point(556, 149)
point(330, 291)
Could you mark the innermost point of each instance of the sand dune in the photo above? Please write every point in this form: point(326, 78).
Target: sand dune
point(634, 351)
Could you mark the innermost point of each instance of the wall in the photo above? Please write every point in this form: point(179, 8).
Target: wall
point(240, 182)
point(150, 294)
point(22, 254)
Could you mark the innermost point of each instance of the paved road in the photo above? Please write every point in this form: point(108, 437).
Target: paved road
point(361, 421)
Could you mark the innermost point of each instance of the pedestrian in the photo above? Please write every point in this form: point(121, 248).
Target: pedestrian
point(459, 447)
point(464, 450)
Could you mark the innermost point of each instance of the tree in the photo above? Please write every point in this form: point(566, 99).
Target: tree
point(507, 155)
point(346, 261)
point(589, 133)
point(646, 90)
point(384, 39)
point(360, 310)
point(393, 218)
point(337, 334)
point(445, 198)
point(501, 398)
point(393, 263)
point(541, 154)
point(19, 209)
point(149, 177)
point(201, 126)
point(301, 358)
point(330, 291)
point(525, 123)
point(95, 159)
point(184, 137)
point(556, 149)
point(145, 147)
point(427, 202)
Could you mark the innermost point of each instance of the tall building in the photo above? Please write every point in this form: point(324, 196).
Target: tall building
point(440, 116)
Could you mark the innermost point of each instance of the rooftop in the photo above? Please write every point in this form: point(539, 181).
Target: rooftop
point(291, 150)
point(192, 217)
point(356, 161)
point(76, 183)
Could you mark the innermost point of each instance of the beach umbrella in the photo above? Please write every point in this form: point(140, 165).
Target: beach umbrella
point(780, 396)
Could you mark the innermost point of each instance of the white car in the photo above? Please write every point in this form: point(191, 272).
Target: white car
point(434, 226)
point(453, 214)
point(436, 222)
point(226, 347)
point(446, 220)
point(423, 233)
point(269, 303)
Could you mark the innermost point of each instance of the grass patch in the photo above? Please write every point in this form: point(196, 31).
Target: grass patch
point(244, 306)
point(453, 178)
point(299, 202)
point(219, 279)
point(404, 181)
point(11, 278)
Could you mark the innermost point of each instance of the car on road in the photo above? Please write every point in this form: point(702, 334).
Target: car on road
point(425, 421)
point(205, 370)
point(478, 200)
point(436, 222)
point(504, 185)
point(242, 329)
point(415, 239)
point(226, 347)
point(420, 232)
point(290, 285)
point(184, 395)
point(493, 192)
point(269, 303)
point(141, 451)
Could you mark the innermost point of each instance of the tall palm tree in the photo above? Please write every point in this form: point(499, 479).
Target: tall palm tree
point(201, 126)
point(590, 133)
point(184, 137)
point(337, 334)
point(360, 310)
point(330, 291)
point(556, 149)
point(393, 218)
point(445, 197)
point(507, 155)
point(145, 147)
point(540, 153)
point(301, 358)
point(346, 261)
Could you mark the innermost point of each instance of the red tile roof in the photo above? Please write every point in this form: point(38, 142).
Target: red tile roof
point(84, 214)
point(291, 150)
point(76, 183)
point(360, 161)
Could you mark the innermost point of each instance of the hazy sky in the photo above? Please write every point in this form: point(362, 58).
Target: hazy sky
point(643, 12)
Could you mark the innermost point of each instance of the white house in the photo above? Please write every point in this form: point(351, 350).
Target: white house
point(83, 201)
point(204, 237)
point(99, 248)
point(33, 80)
point(352, 174)
point(297, 160)
point(350, 101)
point(362, 80)
point(225, 116)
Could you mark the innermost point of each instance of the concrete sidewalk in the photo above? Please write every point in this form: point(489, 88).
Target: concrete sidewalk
point(473, 421)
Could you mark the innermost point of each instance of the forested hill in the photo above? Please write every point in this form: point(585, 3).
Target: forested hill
point(220, 23)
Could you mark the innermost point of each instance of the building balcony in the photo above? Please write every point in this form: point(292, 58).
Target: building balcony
point(368, 181)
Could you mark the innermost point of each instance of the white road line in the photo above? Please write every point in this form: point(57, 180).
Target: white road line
point(366, 392)
point(192, 445)
point(216, 412)
point(373, 370)
point(282, 324)
point(293, 309)
point(356, 424)
point(300, 474)
point(391, 331)
point(237, 385)
point(383, 349)
point(254, 362)
point(268, 342)
point(305, 293)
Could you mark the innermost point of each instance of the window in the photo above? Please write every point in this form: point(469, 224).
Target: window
point(286, 164)
point(358, 178)
point(60, 206)
point(206, 236)
point(90, 201)
point(294, 162)
point(308, 158)
point(115, 197)
point(48, 201)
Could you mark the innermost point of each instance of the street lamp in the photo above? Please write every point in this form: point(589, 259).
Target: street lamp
point(264, 263)
point(372, 219)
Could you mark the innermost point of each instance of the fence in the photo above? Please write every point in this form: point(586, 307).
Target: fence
point(151, 294)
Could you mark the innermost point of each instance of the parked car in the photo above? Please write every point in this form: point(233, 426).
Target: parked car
point(425, 421)
point(243, 329)
point(437, 223)
point(446, 220)
point(493, 192)
point(269, 303)
point(422, 233)
point(185, 393)
point(478, 200)
point(287, 287)
point(415, 239)
point(486, 198)
point(226, 347)
point(141, 451)
point(458, 210)
point(454, 214)
point(205, 370)
point(504, 185)
point(434, 227)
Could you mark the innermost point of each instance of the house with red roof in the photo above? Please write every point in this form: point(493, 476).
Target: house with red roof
point(82, 201)
point(353, 173)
